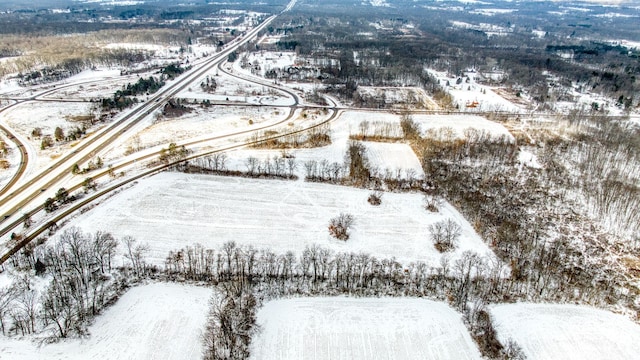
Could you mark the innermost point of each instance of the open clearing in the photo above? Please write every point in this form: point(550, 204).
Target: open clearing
point(383, 156)
point(546, 331)
point(460, 123)
point(361, 328)
point(172, 210)
point(157, 321)
point(466, 93)
point(235, 90)
point(200, 124)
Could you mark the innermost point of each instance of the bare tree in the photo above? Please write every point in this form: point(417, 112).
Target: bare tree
point(219, 161)
point(358, 163)
point(58, 309)
point(27, 307)
point(104, 248)
point(252, 164)
point(231, 324)
point(432, 202)
point(7, 296)
point(135, 253)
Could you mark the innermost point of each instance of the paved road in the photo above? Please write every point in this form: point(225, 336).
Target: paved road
point(51, 177)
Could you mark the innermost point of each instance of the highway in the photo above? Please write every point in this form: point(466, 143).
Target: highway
point(33, 192)
point(44, 184)
point(49, 180)
point(24, 156)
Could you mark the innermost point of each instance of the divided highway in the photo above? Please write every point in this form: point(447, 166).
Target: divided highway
point(49, 180)
point(52, 178)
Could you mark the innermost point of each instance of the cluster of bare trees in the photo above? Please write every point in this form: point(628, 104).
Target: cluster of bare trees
point(244, 273)
point(81, 282)
point(324, 171)
point(339, 226)
point(231, 323)
point(445, 234)
point(277, 167)
point(526, 216)
point(62, 197)
point(316, 136)
point(378, 131)
point(483, 332)
point(410, 129)
point(4, 151)
point(477, 145)
point(18, 307)
point(357, 171)
point(321, 270)
point(209, 84)
point(375, 198)
point(606, 154)
point(338, 173)
point(173, 153)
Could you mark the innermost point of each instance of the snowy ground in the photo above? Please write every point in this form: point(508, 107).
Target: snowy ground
point(361, 328)
point(172, 210)
point(528, 158)
point(156, 321)
point(9, 87)
point(268, 60)
point(234, 89)
point(96, 84)
point(200, 123)
point(459, 123)
point(382, 156)
point(400, 97)
point(548, 331)
point(465, 94)
point(46, 116)
point(393, 157)
point(584, 101)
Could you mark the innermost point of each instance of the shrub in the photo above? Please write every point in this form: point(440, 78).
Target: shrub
point(375, 198)
point(432, 203)
point(46, 142)
point(339, 226)
point(36, 132)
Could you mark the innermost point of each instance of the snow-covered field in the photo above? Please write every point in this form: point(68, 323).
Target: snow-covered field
point(399, 97)
point(393, 157)
point(156, 321)
point(459, 123)
point(382, 156)
point(548, 331)
point(45, 115)
point(172, 210)
point(269, 60)
point(95, 84)
point(465, 94)
point(234, 89)
point(361, 328)
point(201, 123)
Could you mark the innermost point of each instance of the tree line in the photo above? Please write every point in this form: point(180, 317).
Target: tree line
point(81, 281)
